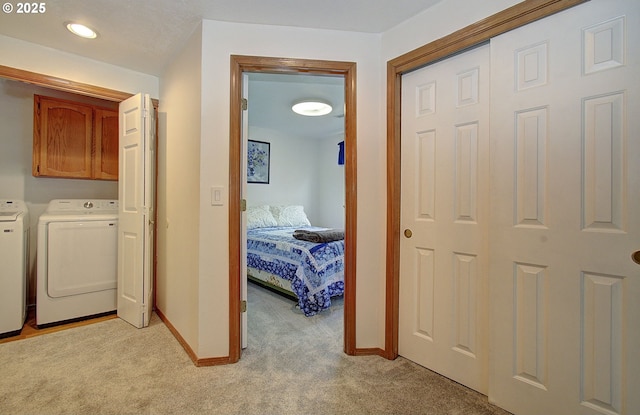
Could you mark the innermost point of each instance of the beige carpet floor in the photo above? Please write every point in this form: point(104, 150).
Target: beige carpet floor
point(293, 365)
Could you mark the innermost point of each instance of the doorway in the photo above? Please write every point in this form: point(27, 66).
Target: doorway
point(255, 64)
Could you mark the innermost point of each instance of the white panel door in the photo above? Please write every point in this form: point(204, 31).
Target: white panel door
point(565, 293)
point(445, 195)
point(135, 194)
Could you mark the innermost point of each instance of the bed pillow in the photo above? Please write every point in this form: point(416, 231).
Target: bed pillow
point(260, 217)
point(290, 216)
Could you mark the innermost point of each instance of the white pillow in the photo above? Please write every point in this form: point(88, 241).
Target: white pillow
point(260, 217)
point(290, 216)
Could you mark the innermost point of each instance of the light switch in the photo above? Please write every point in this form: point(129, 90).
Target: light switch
point(217, 196)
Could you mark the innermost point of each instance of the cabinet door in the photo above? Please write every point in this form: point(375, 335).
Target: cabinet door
point(105, 163)
point(62, 138)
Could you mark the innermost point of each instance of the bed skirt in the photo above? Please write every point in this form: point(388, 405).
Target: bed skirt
point(272, 282)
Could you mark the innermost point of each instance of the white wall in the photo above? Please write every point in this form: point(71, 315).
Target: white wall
point(178, 228)
point(331, 185)
point(220, 40)
point(35, 58)
point(292, 171)
point(443, 18)
point(303, 172)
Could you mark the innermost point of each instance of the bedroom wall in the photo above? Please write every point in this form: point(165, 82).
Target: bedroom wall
point(220, 40)
point(331, 205)
point(292, 172)
point(303, 172)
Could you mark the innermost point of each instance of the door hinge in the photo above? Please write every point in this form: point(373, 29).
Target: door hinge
point(243, 306)
point(245, 104)
point(243, 205)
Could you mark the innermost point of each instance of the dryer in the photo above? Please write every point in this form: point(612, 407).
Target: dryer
point(14, 265)
point(77, 260)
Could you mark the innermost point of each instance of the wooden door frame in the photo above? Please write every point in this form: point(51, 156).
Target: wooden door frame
point(482, 31)
point(240, 64)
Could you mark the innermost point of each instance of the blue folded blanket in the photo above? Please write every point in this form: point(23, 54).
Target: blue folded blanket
point(322, 236)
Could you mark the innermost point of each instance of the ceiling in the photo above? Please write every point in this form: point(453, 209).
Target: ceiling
point(144, 35)
point(272, 95)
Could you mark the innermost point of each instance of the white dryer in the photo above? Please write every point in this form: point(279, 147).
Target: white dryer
point(14, 265)
point(77, 260)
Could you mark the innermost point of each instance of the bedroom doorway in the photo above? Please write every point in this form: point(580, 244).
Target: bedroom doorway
point(241, 66)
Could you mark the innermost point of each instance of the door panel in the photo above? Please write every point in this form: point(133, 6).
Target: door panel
point(135, 191)
point(565, 196)
point(443, 263)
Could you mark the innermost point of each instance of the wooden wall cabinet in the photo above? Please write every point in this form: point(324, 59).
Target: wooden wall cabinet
point(74, 140)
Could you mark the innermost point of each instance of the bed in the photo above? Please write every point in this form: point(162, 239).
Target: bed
point(312, 272)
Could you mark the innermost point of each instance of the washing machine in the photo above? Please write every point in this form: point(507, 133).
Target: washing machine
point(14, 265)
point(77, 260)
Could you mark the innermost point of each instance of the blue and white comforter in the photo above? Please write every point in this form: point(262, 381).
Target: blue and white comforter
point(316, 271)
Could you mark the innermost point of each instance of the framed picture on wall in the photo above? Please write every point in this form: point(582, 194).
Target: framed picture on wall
point(258, 155)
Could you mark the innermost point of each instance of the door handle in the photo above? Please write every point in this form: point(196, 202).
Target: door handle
point(408, 233)
point(636, 257)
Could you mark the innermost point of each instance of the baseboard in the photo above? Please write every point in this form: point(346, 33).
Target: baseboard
point(210, 361)
point(372, 351)
point(218, 361)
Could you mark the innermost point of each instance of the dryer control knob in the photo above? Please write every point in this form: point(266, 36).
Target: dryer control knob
point(88, 205)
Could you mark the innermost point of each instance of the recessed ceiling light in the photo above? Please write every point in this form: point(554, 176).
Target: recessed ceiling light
point(82, 30)
point(312, 107)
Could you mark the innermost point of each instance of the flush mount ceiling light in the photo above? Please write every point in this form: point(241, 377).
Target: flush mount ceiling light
point(82, 30)
point(312, 107)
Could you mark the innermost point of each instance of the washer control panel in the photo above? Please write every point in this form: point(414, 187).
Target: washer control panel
point(10, 209)
point(83, 205)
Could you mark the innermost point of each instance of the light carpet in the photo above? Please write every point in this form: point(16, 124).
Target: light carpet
point(293, 365)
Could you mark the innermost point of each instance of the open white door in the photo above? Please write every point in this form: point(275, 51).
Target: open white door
point(243, 216)
point(135, 194)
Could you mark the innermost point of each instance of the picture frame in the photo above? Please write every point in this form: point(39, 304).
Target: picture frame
point(258, 161)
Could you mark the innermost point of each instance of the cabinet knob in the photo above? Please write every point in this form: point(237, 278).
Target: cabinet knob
point(408, 233)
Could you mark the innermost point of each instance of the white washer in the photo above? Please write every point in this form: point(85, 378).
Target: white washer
point(77, 260)
point(14, 265)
